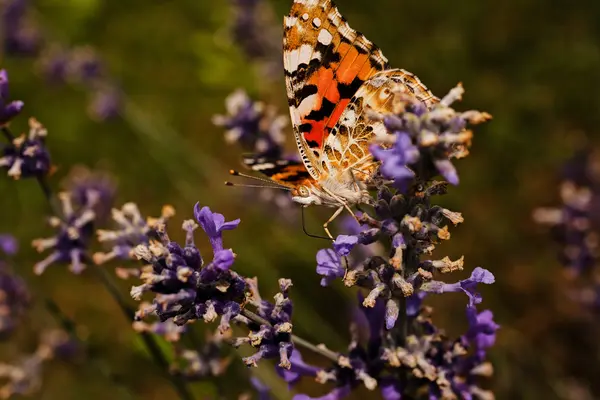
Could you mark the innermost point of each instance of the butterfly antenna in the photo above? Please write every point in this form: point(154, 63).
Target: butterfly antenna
point(310, 234)
point(271, 184)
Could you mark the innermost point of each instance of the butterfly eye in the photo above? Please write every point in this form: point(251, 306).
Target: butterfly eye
point(303, 191)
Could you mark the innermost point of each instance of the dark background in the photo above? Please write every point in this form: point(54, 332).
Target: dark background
point(533, 64)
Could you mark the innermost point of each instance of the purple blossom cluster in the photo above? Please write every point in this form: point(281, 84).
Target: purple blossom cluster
point(574, 225)
point(406, 355)
point(24, 377)
point(201, 363)
point(187, 288)
point(82, 66)
point(255, 33)
point(254, 125)
point(18, 32)
point(258, 129)
point(8, 109)
point(78, 65)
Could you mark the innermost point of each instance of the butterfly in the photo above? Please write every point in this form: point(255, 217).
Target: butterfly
point(333, 75)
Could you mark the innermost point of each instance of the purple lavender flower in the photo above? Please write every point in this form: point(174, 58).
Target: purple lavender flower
point(14, 300)
point(396, 160)
point(254, 125)
point(404, 354)
point(8, 244)
point(20, 36)
point(297, 370)
point(23, 377)
point(344, 244)
point(105, 103)
point(254, 31)
point(27, 156)
point(391, 389)
point(8, 110)
point(468, 286)
point(429, 138)
point(132, 230)
point(88, 186)
point(74, 230)
point(329, 265)
point(272, 340)
point(187, 289)
point(213, 224)
point(201, 363)
point(482, 331)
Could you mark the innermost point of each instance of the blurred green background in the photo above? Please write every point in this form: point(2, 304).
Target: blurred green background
point(533, 64)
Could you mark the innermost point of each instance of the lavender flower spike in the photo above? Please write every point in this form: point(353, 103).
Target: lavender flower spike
point(70, 243)
point(8, 110)
point(468, 286)
point(27, 155)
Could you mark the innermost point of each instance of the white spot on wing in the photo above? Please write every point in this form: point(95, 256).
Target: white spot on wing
point(305, 17)
point(290, 21)
point(325, 37)
point(307, 105)
point(291, 60)
point(306, 51)
point(261, 167)
point(349, 117)
point(317, 22)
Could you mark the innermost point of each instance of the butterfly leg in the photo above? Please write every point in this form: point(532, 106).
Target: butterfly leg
point(334, 216)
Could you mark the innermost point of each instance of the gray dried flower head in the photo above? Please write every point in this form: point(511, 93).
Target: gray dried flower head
point(18, 32)
point(26, 155)
point(132, 230)
point(203, 363)
point(87, 185)
point(574, 225)
point(167, 329)
point(74, 229)
point(24, 377)
point(15, 297)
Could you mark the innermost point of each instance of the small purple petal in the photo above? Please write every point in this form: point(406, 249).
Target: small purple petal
point(298, 369)
point(213, 224)
point(390, 389)
point(329, 265)
point(343, 244)
point(8, 244)
point(468, 286)
point(447, 170)
point(223, 259)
